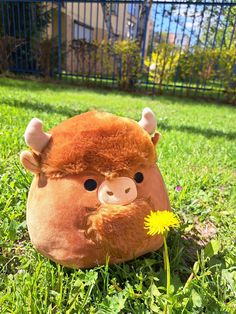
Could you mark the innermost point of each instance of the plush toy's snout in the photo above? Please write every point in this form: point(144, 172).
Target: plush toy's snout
point(119, 191)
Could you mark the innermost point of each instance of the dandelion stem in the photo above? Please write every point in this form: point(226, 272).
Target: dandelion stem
point(167, 269)
point(160, 222)
point(167, 261)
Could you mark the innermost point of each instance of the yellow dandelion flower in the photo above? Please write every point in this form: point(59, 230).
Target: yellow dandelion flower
point(160, 222)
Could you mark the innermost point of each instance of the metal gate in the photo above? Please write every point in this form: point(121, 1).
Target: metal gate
point(177, 47)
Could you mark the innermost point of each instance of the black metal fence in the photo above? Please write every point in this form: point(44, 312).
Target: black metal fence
point(186, 47)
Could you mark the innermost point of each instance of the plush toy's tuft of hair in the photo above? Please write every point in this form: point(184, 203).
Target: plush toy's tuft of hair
point(99, 142)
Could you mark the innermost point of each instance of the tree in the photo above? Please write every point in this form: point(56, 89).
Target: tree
point(107, 12)
point(144, 11)
point(143, 16)
point(162, 63)
point(21, 24)
point(219, 27)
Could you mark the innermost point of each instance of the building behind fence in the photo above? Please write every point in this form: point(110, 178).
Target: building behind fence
point(186, 47)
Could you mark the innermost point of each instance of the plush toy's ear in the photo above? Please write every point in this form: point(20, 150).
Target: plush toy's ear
point(35, 137)
point(148, 121)
point(155, 138)
point(29, 162)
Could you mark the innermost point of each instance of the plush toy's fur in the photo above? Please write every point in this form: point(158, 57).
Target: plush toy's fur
point(97, 141)
point(69, 224)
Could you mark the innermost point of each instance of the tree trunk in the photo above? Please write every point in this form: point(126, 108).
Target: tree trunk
point(144, 12)
point(106, 9)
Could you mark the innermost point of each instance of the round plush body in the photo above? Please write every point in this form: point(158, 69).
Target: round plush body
point(95, 181)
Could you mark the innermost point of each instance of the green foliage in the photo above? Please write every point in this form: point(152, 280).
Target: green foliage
point(106, 58)
point(45, 53)
point(212, 248)
point(217, 31)
point(198, 64)
point(8, 45)
point(197, 152)
point(26, 19)
point(206, 65)
point(162, 63)
point(127, 54)
point(93, 58)
point(227, 72)
point(22, 22)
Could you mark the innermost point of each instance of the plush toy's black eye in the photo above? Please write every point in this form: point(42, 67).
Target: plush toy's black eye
point(138, 177)
point(90, 185)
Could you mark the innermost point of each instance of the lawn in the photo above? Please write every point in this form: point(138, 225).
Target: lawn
point(197, 152)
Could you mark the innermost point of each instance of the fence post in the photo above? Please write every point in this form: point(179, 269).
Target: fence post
point(59, 38)
point(145, 33)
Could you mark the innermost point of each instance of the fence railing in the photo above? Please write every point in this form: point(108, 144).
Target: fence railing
point(178, 47)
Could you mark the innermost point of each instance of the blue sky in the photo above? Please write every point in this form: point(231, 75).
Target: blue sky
point(182, 17)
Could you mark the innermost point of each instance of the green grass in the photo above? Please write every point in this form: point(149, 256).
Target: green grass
point(213, 90)
point(197, 152)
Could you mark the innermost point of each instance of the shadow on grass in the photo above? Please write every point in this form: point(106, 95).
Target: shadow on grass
point(35, 84)
point(44, 107)
point(209, 133)
point(70, 112)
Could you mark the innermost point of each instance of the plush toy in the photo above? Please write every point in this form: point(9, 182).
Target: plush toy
point(95, 180)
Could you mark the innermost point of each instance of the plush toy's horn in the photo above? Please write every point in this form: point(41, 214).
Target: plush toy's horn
point(148, 121)
point(35, 137)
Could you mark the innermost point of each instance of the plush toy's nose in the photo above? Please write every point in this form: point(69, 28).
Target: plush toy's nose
point(120, 191)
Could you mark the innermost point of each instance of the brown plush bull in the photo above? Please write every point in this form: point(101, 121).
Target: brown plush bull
point(95, 180)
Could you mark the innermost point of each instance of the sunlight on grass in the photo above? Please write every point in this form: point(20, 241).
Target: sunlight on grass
point(197, 152)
